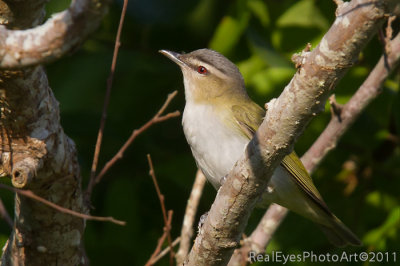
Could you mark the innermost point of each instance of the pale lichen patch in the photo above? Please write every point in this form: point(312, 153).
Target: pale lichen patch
point(237, 185)
point(320, 60)
point(345, 22)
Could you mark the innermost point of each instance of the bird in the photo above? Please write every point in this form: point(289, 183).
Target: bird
point(219, 120)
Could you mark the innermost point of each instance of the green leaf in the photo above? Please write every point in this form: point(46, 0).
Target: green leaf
point(250, 67)
point(303, 14)
point(271, 79)
point(389, 229)
point(381, 200)
point(260, 11)
point(229, 32)
point(265, 52)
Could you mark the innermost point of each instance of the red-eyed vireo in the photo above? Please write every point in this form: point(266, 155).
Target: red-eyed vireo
point(220, 119)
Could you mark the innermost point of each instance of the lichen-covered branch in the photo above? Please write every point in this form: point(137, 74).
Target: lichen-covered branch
point(60, 34)
point(320, 70)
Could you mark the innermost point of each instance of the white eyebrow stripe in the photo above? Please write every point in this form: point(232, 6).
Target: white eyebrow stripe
point(196, 63)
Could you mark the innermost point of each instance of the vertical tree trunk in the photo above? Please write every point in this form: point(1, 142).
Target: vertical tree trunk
point(38, 156)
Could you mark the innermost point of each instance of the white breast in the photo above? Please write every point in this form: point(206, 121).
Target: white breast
point(213, 145)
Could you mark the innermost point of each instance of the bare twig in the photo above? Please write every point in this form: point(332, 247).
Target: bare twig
point(161, 197)
point(106, 102)
point(336, 109)
point(190, 214)
point(368, 91)
point(389, 35)
point(338, 2)
point(166, 250)
point(4, 215)
point(156, 119)
point(30, 194)
point(157, 254)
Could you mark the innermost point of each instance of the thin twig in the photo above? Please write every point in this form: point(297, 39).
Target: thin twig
point(156, 254)
point(188, 219)
point(30, 194)
point(166, 250)
point(106, 102)
point(156, 119)
point(389, 34)
point(161, 197)
point(4, 215)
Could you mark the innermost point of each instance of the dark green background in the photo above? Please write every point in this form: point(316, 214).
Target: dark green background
point(260, 37)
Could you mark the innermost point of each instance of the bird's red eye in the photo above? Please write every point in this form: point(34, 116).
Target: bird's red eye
point(202, 70)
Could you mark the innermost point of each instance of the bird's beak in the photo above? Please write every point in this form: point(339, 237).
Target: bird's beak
point(173, 56)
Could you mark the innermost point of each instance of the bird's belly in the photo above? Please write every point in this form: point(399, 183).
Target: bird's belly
point(215, 147)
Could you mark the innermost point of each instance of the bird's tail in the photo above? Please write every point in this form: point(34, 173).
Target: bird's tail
point(338, 233)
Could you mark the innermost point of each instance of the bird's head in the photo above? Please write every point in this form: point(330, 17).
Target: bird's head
point(208, 76)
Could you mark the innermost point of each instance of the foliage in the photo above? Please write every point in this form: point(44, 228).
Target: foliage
point(359, 179)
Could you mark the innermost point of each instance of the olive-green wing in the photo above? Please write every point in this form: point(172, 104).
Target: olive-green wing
point(249, 118)
point(300, 175)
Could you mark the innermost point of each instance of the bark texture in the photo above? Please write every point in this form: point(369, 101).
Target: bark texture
point(35, 152)
point(60, 34)
point(318, 73)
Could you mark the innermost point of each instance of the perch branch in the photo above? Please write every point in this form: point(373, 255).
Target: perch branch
point(338, 125)
point(286, 118)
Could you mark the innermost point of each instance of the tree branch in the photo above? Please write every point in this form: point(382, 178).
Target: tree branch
point(157, 254)
point(167, 218)
point(60, 34)
point(105, 104)
point(338, 125)
point(159, 117)
point(286, 118)
point(30, 194)
point(188, 219)
point(35, 151)
point(368, 91)
point(5, 216)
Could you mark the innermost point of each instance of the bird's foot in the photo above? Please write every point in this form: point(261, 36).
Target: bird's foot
point(201, 222)
point(223, 179)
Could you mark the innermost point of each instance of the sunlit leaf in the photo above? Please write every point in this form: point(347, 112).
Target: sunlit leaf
point(381, 200)
point(250, 67)
point(229, 32)
point(389, 229)
point(303, 14)
point(271, 79)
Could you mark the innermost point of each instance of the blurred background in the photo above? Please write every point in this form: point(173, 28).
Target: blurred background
point(359, 180)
